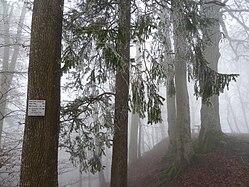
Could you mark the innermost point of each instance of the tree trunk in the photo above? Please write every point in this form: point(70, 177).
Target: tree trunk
point(183, 133)
point(80, 178)
point(235, 122)
point(40, 143)
point(135, 119)
point(102, 181)
point(170, 88)
point(171, 112)
point(210, 118)
point(119, 157)
point(140, 141)
point(133, 146)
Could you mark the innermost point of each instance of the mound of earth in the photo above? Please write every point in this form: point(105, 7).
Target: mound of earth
point(228, 166)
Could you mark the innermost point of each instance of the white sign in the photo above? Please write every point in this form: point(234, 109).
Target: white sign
point(36, 107)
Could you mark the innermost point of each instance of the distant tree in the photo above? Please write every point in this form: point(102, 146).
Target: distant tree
point(41, 134)
point(135, 122)
point(12, 19)
point(169, 65)
point(120, 139)
point(236, 48)
point(133, 144)
point(11, 48)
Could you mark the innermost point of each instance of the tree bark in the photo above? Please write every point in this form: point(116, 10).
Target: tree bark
point(119, 157)
point(183, 133)
point(210, 117)
point(40, 143)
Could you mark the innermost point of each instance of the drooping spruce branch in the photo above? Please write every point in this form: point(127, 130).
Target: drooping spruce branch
point(86, 130)
point(207, 81)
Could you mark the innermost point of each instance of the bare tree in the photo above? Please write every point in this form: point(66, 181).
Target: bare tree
point(11, 48)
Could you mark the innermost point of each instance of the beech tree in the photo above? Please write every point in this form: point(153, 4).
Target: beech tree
point(41, 134)
point(170, 86)
point(183, 134)
point(189, 57)
point(210, 132)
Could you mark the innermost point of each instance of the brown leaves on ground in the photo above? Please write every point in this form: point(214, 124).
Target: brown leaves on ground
point(226, 167)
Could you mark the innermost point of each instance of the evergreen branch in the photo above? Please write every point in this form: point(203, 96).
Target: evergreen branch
point(207, 81)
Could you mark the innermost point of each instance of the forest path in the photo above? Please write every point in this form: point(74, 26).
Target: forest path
point(228, 166)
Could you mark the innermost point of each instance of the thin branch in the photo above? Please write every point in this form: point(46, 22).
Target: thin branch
point(13, 72)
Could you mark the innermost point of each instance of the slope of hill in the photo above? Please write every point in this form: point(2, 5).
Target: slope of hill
point(228, 166)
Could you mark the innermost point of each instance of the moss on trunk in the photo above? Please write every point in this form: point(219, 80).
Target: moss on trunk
point(210, 141)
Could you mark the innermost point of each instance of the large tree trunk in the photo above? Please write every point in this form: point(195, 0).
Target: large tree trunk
point(119, 157)
point(183, 134)
point(40, 143)
point(210, 118)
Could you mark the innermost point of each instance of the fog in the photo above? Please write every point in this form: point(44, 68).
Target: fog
point(233, 103)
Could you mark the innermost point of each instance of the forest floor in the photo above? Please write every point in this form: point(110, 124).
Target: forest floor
point(228, 166)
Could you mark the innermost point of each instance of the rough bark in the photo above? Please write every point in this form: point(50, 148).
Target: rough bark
point(40, 143)
point(119, 157)
point(210, 118)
